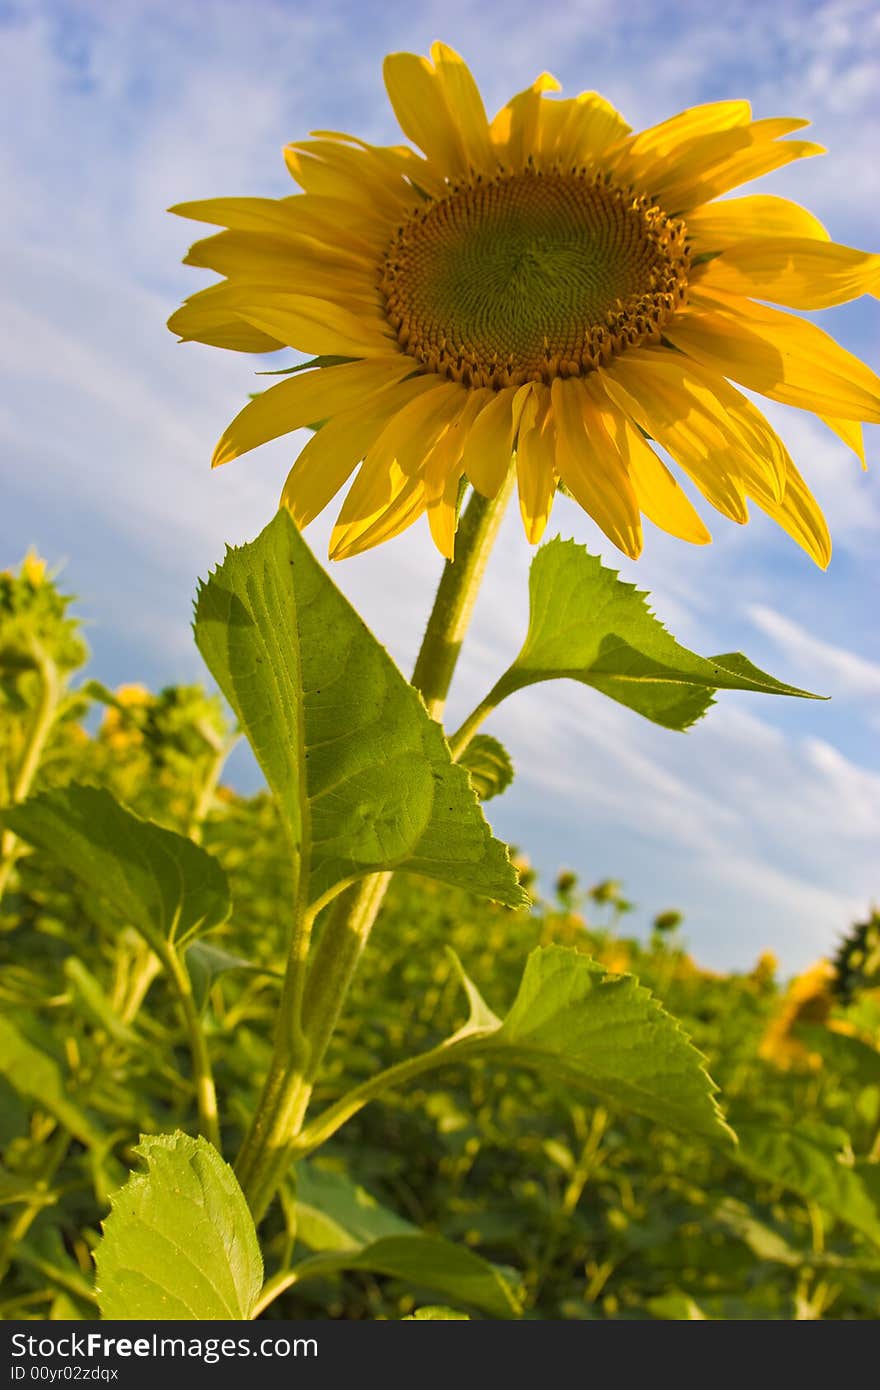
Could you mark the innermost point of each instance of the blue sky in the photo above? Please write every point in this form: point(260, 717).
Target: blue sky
point(762, 824)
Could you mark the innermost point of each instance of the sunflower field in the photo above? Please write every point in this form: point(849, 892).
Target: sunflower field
point(332, 1051)
point(594, 1179)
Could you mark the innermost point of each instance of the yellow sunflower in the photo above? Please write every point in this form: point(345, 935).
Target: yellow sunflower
point(546, 287)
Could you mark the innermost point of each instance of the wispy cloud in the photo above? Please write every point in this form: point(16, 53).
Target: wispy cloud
point(844, 673)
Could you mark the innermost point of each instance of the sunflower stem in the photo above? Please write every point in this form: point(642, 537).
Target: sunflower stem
point(270, 1144)
point(40, 729)
point(203, 1076)
point(456, 595)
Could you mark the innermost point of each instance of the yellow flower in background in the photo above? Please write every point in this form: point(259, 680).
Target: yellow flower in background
point(809, 999)
point(117, 729)
point(33, 568)
point(548, 285)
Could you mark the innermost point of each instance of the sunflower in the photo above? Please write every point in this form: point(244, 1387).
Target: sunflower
point(547, 287)
point(808, 1000)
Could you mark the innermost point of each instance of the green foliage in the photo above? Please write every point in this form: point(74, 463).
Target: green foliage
point(34, 625)
point(334, 1213)
point(815, 1165)
point(362, 775)
point(436, 1314)
point(567, 1160)
point(352, 1231)
point(426, 1262)
point(489, 766)
point(589, 626)
point(857, 961)
point(162, 883)
point(179, 1241)
point(37, 1075)
point(600, 1033)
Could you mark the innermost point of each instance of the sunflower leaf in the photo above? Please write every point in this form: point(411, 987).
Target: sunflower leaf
point(586, 624)
point(37, 1076)
point(489, 766)
point(334, 1213)
point(428, 1262)
point(577, 1024)
point(362, 775)
point(206, 963)
point(179, 1241)
point(604, 1034)
point(162, 883)
point(809, 1162)
point(348, 1229)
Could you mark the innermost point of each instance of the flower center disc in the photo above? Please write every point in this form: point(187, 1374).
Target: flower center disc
point(530, 276)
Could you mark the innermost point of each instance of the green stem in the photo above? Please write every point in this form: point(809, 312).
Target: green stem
point(456, 595)
point(459, 741)
point(53, 1155)
point(209, 787)
point(263, 1158)
point(298, 1053)
point(338, 1114)
point(203, 1076)
point(44, 716)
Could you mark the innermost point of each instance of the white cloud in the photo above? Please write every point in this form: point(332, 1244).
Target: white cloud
point(843, 673)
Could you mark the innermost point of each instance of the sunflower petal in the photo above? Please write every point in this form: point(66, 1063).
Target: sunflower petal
point(579, 129)
point(463, 99)
point(333, 169)
point(737, 167)
point(719, 225)
point(659, 496)
point(446, 453)
point(419, 100)
point(381, 501)
point(662, 405)
point(303, 400)
point(488, 449)
point(210, 316)
point(443, 516)
point(798, 272)
point(272, 216)
point(800, 515)
point(406, 507)
point(536, 461)
point(412, 432)
point(515, 129)
point(253, 259)
point(779, 355)
point(317, 326)
point(394, 161)
point(590, 464)
point(851, 434)
point(335, 450)
point(698, 134)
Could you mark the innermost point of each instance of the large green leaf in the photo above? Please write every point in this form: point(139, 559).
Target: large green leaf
point(351, 1230)
point(847, 1056)
point(163, 884)
point(814, 1164)
point(588, 625)
point(361, 774)
point(179, 1241)
point(334, 1213)
point(36, 1075)
point(427, 1262)
point(596, 1033)
point(604, 1034)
